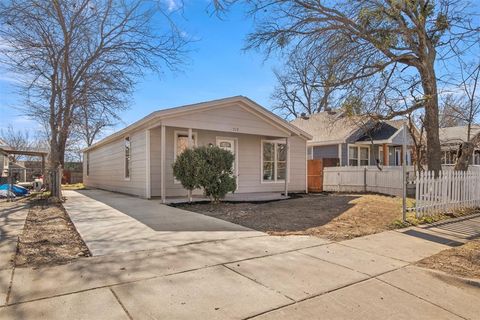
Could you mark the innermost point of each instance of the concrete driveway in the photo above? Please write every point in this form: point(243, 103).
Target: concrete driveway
point(112, 223)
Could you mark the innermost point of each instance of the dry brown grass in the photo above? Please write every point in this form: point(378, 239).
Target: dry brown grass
point(48, 237)
point(462, 261)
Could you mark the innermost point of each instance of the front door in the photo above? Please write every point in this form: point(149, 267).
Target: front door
point(229, 144)
point(398, 156)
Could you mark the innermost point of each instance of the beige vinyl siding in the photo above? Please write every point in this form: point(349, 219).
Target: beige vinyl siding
point(107, 169)
point(233, 118)
point(249, 161)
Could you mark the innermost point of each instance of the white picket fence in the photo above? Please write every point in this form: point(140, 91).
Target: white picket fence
point(451, 190)
point(365, 179)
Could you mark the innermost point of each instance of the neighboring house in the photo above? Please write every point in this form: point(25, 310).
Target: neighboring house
point(3, 162)
point(138, 159)
point(18, 171)
point(450, 140)
point(355, 140)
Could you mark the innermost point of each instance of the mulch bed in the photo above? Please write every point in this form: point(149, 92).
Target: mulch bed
point(463, 261)
point(332, 216)
point(49, 237)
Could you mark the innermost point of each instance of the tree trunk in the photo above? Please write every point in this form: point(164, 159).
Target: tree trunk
point(465, 153)
point(429, 84)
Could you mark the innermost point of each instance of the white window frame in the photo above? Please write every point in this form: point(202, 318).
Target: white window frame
point(125, 158)
point(176, 133)
point(87, 167)
point(175, 136)
point(358, 151)
point(275, 180)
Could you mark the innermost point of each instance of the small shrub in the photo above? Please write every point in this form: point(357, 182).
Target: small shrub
point(216, 173)
point(209, 168)
point(185, 169)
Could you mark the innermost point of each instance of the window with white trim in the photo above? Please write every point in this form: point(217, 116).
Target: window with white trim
point(128, 160)
point(358, 156)
point(181, 142)
point(364, 156)
point(87, 155)
point(274, 161)
point(353, 156)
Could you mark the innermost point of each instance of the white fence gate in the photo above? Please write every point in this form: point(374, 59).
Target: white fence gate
point(450, 191)
point(365, 179)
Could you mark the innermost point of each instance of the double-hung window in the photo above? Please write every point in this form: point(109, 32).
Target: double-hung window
point(358, 156)
point(128, 154)
point(364, 156)
point(274, 161)
point(353, 156)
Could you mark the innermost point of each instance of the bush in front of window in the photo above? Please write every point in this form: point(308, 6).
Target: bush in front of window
point(209, 168)
point(185, 169)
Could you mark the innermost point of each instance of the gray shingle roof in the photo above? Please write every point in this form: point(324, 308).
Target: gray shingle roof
point(456, 134)
point(330, 127)
point(326, 127)
point(383, 130)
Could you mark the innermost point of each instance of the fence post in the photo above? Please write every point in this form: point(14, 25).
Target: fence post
point(365, 179)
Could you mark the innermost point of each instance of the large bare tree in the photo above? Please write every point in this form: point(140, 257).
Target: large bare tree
point(381, 40)
point(69, 53)
point(303, 86)
point(468, 110)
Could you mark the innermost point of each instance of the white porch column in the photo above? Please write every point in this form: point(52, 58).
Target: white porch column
point(148, 185)
point(162, 163)
point(287, 172)
point(190, 145)
point(190, 138)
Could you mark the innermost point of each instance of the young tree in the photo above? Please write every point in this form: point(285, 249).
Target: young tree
point(69, 52)
point(374, 39)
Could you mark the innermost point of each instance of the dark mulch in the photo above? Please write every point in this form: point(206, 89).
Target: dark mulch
point(49, 237)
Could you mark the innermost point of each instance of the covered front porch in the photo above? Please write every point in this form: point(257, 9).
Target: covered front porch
point(261, 149)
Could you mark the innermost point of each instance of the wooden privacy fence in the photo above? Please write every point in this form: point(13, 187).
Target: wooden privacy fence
point(365, 179)
point(451, 190)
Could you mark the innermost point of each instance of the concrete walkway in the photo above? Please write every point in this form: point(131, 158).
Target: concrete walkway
point(112, 223)
point(260, 277)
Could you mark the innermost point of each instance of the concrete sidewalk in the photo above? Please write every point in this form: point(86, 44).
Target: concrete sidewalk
point(265, 277)
point(112, 223)
point(260, 277)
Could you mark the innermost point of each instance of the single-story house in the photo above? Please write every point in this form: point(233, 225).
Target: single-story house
point(450, 140)
point(270, 153)
point(355, 140)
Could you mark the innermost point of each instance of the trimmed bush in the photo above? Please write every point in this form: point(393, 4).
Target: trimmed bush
point(209, 168)
point(185, 169)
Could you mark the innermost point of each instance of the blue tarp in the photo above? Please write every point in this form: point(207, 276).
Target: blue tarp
point(18, 190)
